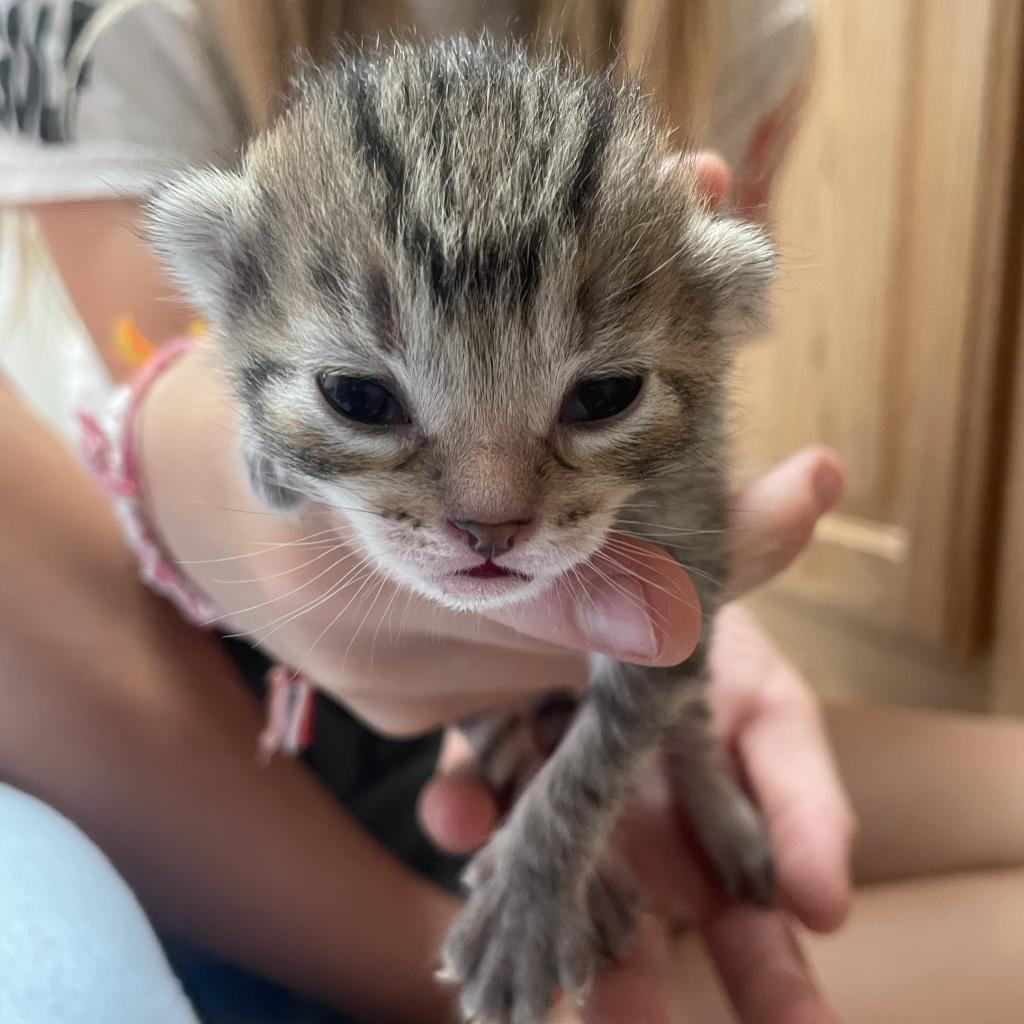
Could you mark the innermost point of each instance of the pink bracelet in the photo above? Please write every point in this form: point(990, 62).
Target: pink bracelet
point(108, 447)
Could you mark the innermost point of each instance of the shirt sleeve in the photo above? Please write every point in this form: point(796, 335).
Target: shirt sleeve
point(761, 91)
point(101, 99)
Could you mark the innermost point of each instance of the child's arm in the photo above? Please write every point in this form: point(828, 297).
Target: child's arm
point(134, 725)
point(151, 739)
point(302, 588)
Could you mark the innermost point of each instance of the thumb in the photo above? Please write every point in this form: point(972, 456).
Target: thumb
point(631, 601)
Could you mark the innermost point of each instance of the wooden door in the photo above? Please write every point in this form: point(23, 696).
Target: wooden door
point(895, 215)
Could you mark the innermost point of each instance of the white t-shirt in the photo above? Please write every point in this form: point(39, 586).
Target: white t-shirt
point(103, 98)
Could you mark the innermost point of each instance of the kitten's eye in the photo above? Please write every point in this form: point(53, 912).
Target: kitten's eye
point(362, 399)
point(600, 398)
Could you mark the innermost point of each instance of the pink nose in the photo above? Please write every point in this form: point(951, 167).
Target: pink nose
point(491, 539)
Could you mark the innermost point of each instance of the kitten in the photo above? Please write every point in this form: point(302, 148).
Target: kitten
point(459, 288)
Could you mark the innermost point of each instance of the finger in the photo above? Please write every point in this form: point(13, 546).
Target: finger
point(631, 601)
point(788, 763)
point(658, 846)
point(777, 514)
point(457, 754)
point(762, 969)
point(456, 810)
point(710, 171)
point(713, 178)
point(634, 989)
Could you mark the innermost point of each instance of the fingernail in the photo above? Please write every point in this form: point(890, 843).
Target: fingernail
point(828, 487)
point(616, 619)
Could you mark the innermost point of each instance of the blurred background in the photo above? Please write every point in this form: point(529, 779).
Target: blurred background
point(897, 341)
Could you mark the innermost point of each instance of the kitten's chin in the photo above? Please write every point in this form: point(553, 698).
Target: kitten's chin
point(477, 593)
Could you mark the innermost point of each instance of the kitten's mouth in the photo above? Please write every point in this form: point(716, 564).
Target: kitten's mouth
point(484, 584)
point(488, 570)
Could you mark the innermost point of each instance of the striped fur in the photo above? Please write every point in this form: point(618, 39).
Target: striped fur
point(480, 231)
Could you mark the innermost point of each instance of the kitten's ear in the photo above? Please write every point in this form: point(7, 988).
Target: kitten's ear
point(197, 223)
point(729, 265)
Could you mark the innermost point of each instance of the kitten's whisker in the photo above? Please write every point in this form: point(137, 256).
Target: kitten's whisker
point(674, 255)
point(631, 598)
point(288, 617)
point(380, 621)
point(647, 582)
point(281, 619)
point(667, 528)
point(644, 563)
point(250, 511)
point(330, 625)
point(290, 593)
point(405, 613)
point(670, 538)
point(628, 556)
point(639, 228)
point(284, 572)
point(327, 511)
point(395, 634)
point(265, 546)
point(560, 589)
point(581, 586)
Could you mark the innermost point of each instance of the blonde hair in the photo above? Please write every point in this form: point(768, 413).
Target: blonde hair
point(673, 45)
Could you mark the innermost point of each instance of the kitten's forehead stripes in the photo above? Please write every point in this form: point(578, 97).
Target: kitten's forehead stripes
point(585, 179)
point(507, 267)
point(328, 276)
point(379, 150)
point(440, 139)
point(494, 269)
point(383, 313)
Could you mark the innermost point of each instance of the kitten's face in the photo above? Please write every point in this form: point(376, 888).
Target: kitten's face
point(474, 472)
point(463, 302)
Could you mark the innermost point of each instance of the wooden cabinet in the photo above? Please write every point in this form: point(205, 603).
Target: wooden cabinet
point(896, 337)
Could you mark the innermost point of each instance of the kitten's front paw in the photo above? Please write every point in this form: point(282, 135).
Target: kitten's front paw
point(520, 936)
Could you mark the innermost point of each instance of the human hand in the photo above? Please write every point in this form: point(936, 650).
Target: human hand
point(769, 721)
point(307, 592)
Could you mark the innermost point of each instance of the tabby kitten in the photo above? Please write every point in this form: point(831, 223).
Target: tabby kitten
point(468, 299)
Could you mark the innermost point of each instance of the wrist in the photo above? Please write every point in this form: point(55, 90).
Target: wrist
point(190, 472)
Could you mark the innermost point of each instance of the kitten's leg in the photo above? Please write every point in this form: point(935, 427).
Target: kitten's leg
point(727, 826)
point(527, 925)
point(725, 822)
point(512, 746)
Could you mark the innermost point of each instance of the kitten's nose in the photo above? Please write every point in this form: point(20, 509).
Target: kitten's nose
point(491, 539)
